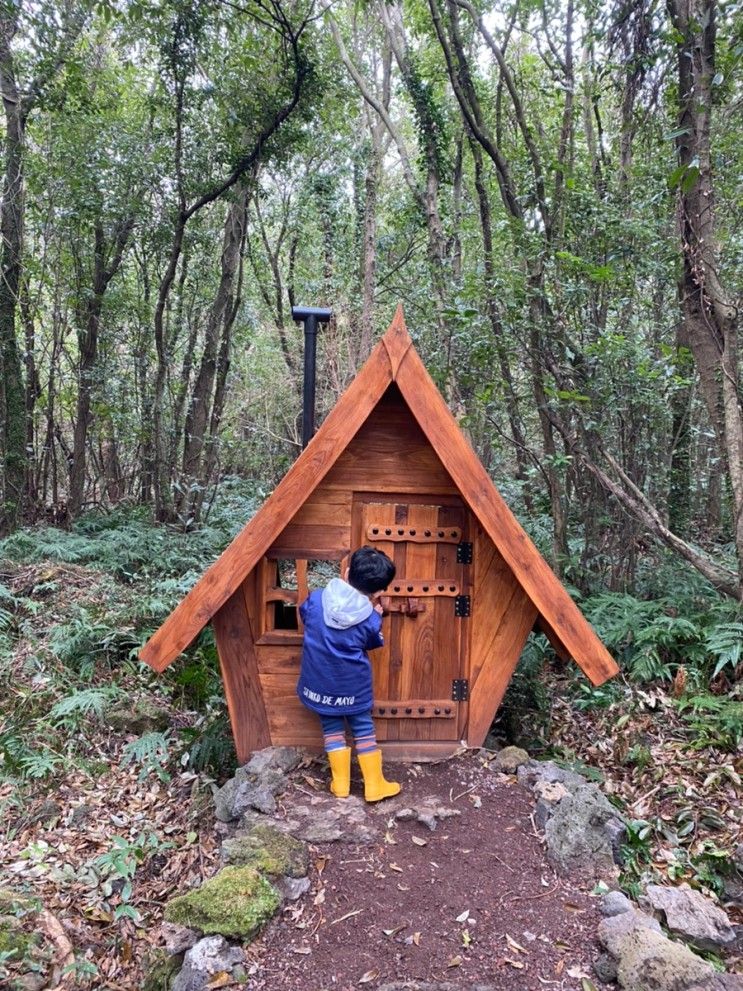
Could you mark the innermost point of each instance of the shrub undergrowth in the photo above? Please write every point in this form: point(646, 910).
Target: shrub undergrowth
point(75, 607)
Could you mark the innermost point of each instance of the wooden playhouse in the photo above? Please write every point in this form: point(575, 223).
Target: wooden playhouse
point(389, 467)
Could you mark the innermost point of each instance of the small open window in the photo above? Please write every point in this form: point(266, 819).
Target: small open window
point(282, 596)
point(285, 584)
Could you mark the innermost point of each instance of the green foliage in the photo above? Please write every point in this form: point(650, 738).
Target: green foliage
point(636, 855)
point(523, 717)
point(151, 751)
point(86, 656)
point(714, 720)
point(88, 639)
point(652, 638)
point(127, 545)
point(639, 756)
point(9, 604)
point(198, 681)
point(725, 643)
point(208, 746)
point(86, 702)
point(121, 862)
point(35, 764)
point(588, 697)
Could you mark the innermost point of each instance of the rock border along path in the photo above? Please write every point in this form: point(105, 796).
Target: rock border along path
point(477, 876)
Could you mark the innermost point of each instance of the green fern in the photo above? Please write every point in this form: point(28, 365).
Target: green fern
point(617, 616)
point(725, 643)
point(209, 746)
point(9, 605)
point(40, 763)
point(151, 751)
point(89, 701)
point(714, 720)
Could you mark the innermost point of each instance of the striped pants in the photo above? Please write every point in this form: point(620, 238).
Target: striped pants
point(362, 727)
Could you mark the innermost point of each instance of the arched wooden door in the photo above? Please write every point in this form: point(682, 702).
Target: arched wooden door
point(420, 690)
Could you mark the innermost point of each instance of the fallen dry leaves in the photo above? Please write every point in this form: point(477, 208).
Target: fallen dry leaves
point(687, 804)
point(100, 864)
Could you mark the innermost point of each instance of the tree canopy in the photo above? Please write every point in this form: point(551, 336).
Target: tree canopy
point(550, 189)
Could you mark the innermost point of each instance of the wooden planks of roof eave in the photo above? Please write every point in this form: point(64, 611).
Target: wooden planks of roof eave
point(224, 576)
point(538, 580)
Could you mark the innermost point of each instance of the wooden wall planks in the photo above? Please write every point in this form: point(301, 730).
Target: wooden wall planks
point(326, 507)
point(329, 543)
point(390, 450)
point(290, 722)
point(487, 691)
point(494, 587)
point(239, 664)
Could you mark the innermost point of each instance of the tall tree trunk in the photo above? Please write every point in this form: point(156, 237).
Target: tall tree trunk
point(679, 490)
point(200, 406)
point(17, 107)
point(710, 315)
point(211, 456)
point(89, 322)
point(13, 412)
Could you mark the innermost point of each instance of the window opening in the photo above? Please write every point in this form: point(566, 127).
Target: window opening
point(290, 582)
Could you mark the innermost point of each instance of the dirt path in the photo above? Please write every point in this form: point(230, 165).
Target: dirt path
point(472, 901)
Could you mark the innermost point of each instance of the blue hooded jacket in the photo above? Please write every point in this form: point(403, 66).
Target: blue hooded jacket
point(340, 625)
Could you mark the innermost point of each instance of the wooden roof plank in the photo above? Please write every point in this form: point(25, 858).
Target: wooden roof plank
point(222, 578)
point(529, 567)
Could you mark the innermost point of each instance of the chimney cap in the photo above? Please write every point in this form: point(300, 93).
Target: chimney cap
point(320, 313)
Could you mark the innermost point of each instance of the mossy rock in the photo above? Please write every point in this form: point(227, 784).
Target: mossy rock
point(140, 716)
point(160, 969)
point(236, 902)
point(269, 851)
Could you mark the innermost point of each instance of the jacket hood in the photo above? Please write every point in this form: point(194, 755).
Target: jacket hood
point(343, 605)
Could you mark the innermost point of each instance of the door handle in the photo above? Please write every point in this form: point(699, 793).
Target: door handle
point(409, 606)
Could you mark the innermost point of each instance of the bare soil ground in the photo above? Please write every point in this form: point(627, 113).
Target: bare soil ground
point(73, 845)
point(473, 901)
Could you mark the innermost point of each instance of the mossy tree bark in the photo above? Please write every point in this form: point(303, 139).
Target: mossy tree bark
point(709, 312)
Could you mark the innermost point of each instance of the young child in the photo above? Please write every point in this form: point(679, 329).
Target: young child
point(341, 623)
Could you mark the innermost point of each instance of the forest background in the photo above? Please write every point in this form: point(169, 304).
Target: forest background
point(552, 188)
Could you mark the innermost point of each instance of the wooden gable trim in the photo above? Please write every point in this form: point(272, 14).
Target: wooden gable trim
point(393, 359)
point(533, 573)
point(221, 580)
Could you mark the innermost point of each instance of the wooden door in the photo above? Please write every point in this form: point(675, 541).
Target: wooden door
point(423, 656)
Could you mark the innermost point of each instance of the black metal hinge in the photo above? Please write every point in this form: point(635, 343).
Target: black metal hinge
point(464, 552)
point(461, 605)
point(460, 690)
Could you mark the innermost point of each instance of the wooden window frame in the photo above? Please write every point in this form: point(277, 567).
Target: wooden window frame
point(267, 634)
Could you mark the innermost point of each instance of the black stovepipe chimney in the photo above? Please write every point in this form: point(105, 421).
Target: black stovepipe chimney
point(310, 316)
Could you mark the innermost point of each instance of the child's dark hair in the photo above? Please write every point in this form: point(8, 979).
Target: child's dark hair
point(370, 570)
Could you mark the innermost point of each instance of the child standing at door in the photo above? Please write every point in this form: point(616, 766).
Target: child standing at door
point(341, 623)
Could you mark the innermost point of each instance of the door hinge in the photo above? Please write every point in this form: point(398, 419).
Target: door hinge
point(461, 605)
point(460, 690)
point(464, 552)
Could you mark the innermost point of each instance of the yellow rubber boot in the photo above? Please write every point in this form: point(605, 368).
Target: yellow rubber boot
point(340, 768)
point(375, 786)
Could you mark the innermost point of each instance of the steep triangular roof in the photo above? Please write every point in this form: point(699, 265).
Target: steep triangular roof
point(394, 359)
